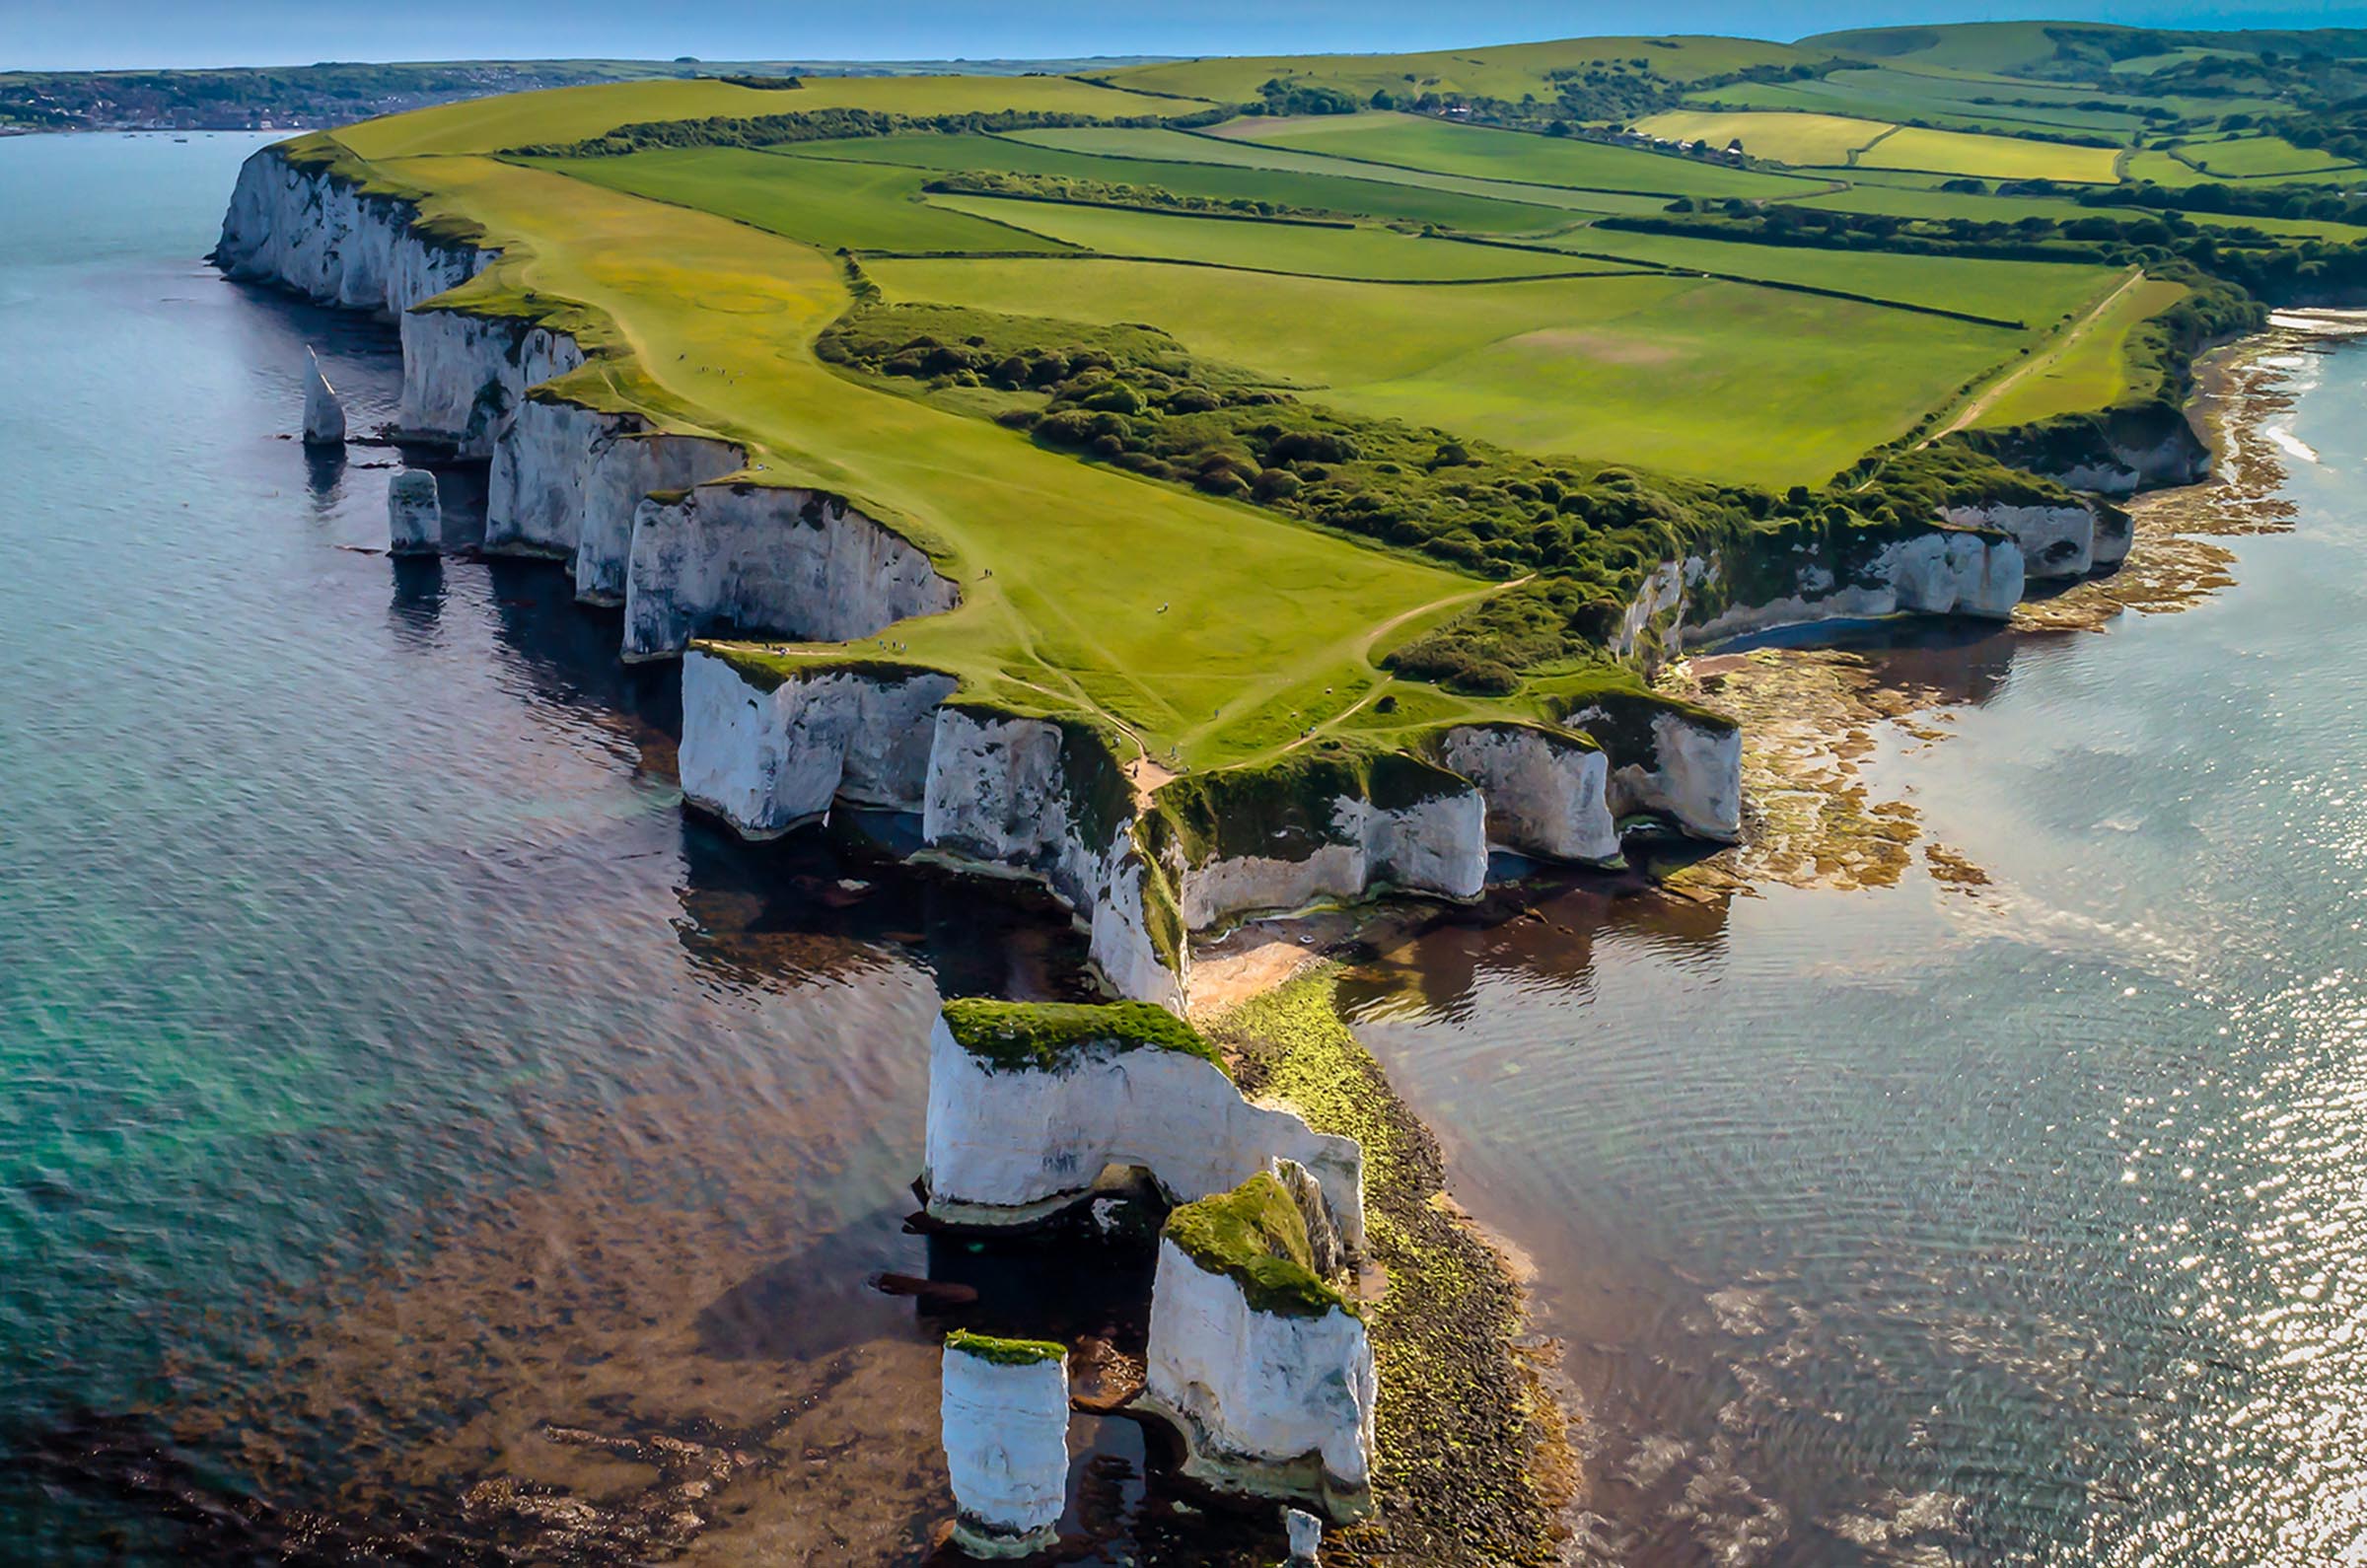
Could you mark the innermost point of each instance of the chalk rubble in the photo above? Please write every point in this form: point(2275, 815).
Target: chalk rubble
point(1306, 1535)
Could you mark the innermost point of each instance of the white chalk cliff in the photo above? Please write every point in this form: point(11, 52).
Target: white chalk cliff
point(2055, 541)
point(1010, 1145)
point(1546, 791)
point(568, 480)
point(1944, 571)
point(754, 558)
point(1004, 1422)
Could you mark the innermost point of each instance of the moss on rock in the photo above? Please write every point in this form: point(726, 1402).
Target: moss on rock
point(1255, 1236)
point(1005, 1352)
point(1049, 1037)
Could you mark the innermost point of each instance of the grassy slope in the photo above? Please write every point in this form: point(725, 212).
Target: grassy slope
point(1504, 71)
point(2089, 368)
point(573, 113)
point(1667, 371)
point(1788, 138)
point(2033, 293)
point(828, 204)
point(1083, 557)
point(1413, 142)
point(1984, 47)
point(2255, 157)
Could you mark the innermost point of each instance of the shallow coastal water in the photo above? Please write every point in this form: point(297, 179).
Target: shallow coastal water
point(389, 1070)
point(378, 1041)
point(2023, 1221)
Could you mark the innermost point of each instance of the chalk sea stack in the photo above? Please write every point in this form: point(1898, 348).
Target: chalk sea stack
point(324, 415)
point(414, 517)
point(1005, 1418)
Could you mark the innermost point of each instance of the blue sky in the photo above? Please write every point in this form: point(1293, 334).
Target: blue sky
point(73, 33)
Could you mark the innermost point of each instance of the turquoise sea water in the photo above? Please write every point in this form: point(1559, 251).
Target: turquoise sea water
point(389, 1070)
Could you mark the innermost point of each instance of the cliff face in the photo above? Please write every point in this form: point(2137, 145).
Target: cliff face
point(766, 761)
point(1031, 797)
point(1436, 846)
point(1546, 793)
point(2055, 541)
point(1270, 1404)
point(756, 558)
point(331, 244)
point(2118, 452)
point(1954, 570)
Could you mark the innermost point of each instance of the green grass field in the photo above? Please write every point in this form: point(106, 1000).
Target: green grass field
point(1357, 193)
point(1375, 253)
point(2259, 157)
point(1193, 147)
point(1668, 372)
point(574, 113)
point(2038, 294)
point(860, 205)
point(1082, 556)
point(1504, 71)
point(1798, 139)
point(1411, 142)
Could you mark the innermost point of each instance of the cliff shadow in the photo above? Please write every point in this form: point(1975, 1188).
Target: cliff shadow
point(829, 899)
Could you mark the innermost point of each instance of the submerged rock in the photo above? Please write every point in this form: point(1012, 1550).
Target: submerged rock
point(1004, 1415)
point(324, 415)
point(414, 517)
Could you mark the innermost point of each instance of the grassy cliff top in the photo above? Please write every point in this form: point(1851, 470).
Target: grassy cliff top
point(1229, 486)
point(1255, 1236)
point(1005, 1352)
point(1047, 1037)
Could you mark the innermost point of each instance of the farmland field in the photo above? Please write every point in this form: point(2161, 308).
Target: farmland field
point(1989, 157)
point(1788, 138)
point(1350, 189)
point(1191, 147)
point(864, 206)
point(1665, 371)
point(1377, 254)
point(1414, 143)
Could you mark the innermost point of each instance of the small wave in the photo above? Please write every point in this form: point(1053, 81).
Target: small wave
point(2320, 324)
point(2291, 444)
